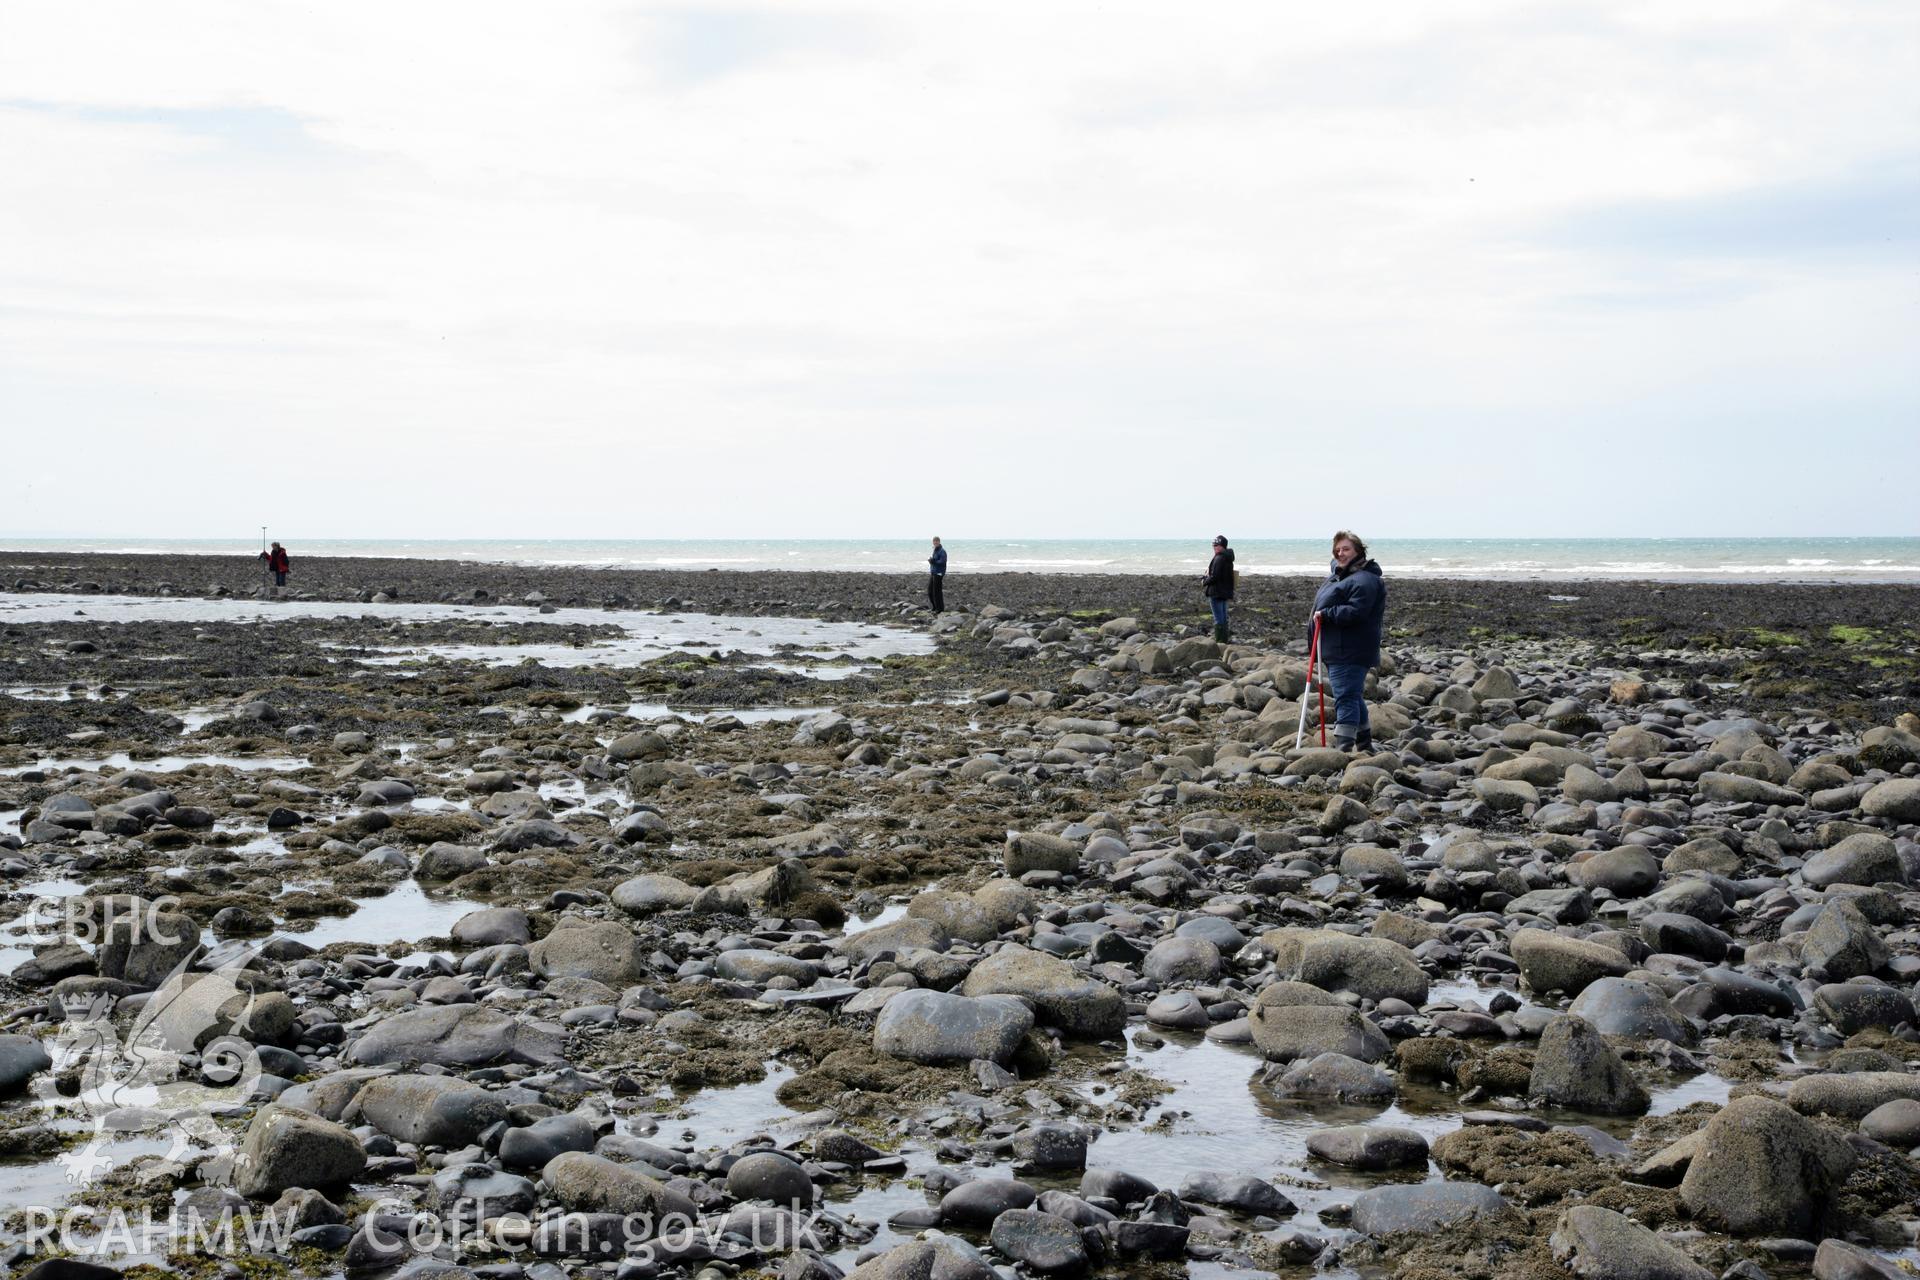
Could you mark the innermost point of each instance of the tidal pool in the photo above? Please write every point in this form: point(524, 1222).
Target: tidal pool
point(160, 764)
point(662, 711)
point(407, 914)
point(647, 635)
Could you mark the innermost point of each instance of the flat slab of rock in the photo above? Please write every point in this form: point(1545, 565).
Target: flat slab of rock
point(1428, 1207)
point(1372, 1147)
point(457, 1035)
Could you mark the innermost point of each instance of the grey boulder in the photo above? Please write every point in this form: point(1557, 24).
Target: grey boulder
point(21, 1057)
point(492, 927)
point(1866, 857)
point(457, 1035)
point(940, 1027)
point(644, 895)
point(534, 1146)
point(1632, 1008)
point(1182, 960)
point(1575, 1067)
point(605, 950)
point(438, 1111)
point(1843, 943)
point(1331, 1075)
point(1371, 968)
point(770, 1176)
point(586, 1183)
point(1369, 1147)
point(1061, 995)
point(1599, 1244)
point(1851, 1095)
point(1762, 1168)
point(1387, 1211)
point(1552, 962)
point(287, 1148)
point(1039, 1241)
point(1238, 1192)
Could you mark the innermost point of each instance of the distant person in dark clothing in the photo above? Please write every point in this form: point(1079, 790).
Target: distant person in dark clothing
point(1351, 608)
point(937, 577)
point(277, 564)
point(1218, 585)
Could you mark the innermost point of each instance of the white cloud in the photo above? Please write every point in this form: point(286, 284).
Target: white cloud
point(657, 270)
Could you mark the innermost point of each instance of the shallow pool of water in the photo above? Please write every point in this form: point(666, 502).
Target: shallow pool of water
point(886, 915)
point(435, 804)
point(13, 954)
point(43, 1183)
point(407, 914)
point(59, 887)
point(1218, 1118)
point(662, 711)
point(161, 764)
point(575, 791)
point(1705, 1087)
point(42, 693)
point(720, 1117)
point(647, 635)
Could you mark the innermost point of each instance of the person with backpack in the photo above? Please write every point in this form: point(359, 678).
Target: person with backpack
point(1350, 611)
point(277, 564)
point(1218, 585)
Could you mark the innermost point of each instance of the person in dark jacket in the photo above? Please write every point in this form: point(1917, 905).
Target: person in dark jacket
point(277, 564)
point(1218, 584)
point(937, 577)
point(1350, 609)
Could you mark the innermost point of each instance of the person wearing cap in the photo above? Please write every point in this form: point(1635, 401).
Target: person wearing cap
point(1218, 584)
point(1351, 609)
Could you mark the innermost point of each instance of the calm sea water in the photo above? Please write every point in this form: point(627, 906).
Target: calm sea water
point(1708, 559)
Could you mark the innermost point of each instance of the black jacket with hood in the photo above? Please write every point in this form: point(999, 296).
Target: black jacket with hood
point(1219, 579)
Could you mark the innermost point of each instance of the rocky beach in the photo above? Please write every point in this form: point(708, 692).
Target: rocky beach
point(457, 919)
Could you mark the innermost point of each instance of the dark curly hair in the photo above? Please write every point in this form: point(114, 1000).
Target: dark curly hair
point(1359, 547)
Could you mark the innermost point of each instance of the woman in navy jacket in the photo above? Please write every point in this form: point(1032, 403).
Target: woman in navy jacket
point(1350, 608)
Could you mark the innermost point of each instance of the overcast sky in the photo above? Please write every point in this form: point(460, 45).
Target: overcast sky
point(576, 269)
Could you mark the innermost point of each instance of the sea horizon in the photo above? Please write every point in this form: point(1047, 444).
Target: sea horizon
point(1802, 560)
